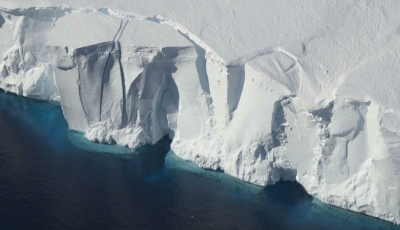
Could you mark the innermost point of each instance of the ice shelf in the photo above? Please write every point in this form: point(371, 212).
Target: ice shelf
point(293, 90)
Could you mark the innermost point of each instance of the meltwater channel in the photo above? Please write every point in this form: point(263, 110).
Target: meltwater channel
point(53, 178)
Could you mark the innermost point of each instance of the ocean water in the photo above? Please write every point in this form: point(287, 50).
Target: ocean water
point(53, 178)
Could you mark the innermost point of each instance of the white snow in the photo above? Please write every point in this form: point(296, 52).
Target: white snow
point(264, 90)
point(25, 69)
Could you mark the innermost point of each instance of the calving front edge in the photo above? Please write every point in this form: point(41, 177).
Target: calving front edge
point(25, 68)
point(133, 81)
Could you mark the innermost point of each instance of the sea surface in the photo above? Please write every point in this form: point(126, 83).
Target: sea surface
point(53, 178)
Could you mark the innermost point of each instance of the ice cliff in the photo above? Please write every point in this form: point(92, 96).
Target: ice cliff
point(305, 91)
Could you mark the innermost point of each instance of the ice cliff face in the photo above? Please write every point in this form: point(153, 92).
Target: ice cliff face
point(128, 85)
point(25, 68)
point(310, 95)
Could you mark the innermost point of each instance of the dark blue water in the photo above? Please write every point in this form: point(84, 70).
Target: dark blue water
point(52, 178)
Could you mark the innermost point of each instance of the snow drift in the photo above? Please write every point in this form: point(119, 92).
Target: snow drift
point(296, 91)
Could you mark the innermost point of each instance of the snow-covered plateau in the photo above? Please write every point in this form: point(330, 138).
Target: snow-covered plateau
point(263, 90)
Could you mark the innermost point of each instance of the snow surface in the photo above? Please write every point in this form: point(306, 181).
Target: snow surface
point(293, 90)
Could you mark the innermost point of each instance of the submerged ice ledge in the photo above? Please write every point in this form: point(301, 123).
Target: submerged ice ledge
point(320, 110)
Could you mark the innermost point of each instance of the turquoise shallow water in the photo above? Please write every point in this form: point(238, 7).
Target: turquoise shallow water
point(53, 178)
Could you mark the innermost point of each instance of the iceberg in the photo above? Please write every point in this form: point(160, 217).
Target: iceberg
point(303, 91)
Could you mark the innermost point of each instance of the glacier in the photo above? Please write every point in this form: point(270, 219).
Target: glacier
point(303, 91)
